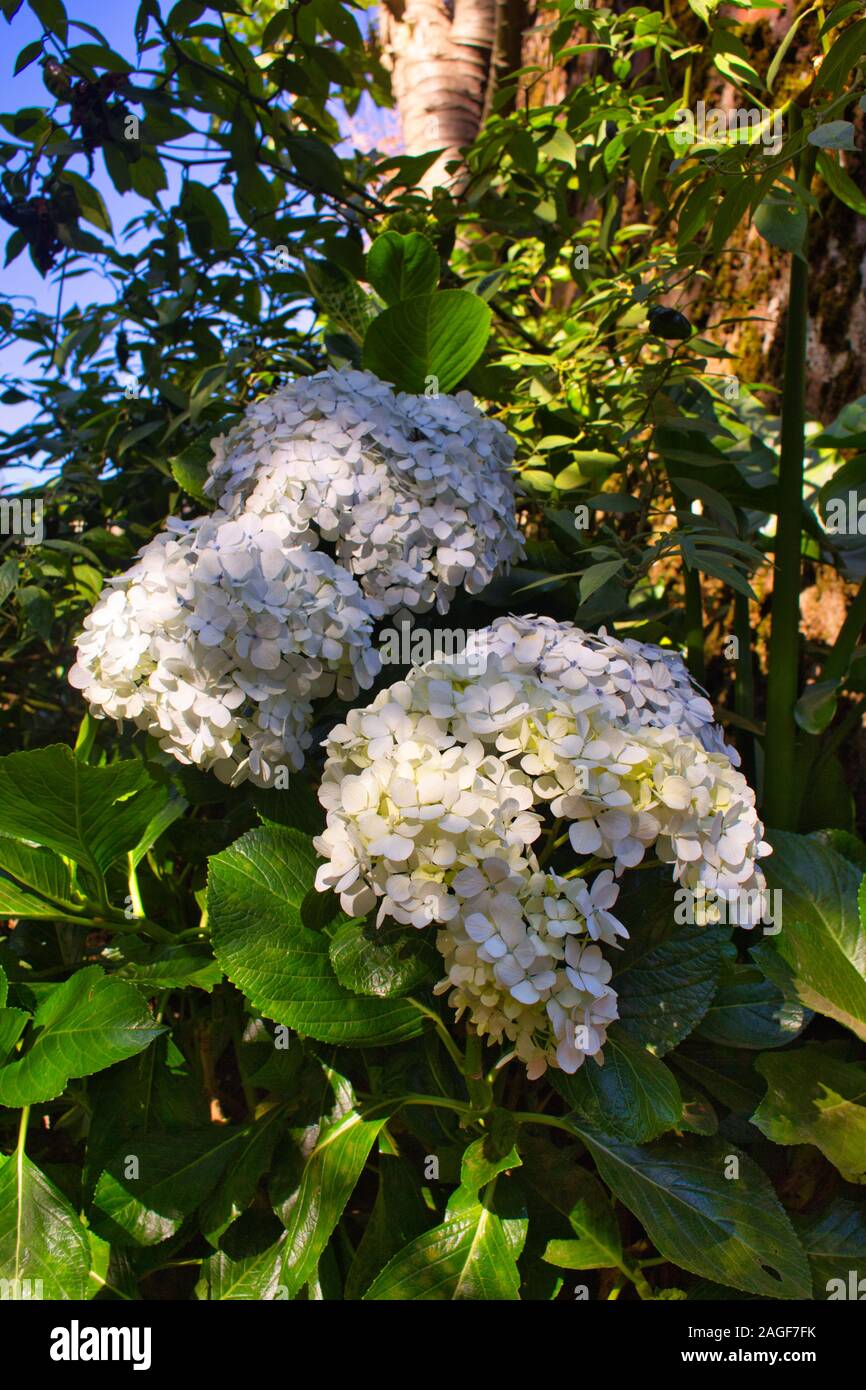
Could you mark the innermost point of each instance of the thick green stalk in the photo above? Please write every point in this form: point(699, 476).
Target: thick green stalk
point(744, 685)
point(780, 772)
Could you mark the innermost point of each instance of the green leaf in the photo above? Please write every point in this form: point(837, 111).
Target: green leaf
point(400, 267)
point(250, 1159)
point(154, 1181)
point(399, 1215)
point(386, 961)
point(730, 1229)
point(835, 1245)
point(251, 1277)
point(32, 881)
point(597, 575)
point(437, 335)
point(819, 956)
point(841, 184)
point(315, 162)
point(666, 975)
point(41, 1238)
point(187, 965)
point(833, 135)
point(633, 1095)
point(329, 1178)
point(90, 201)
point(84, 1025)
point(92, 815)
point(257, 891)
point(814, 1097)
point(557, 1177)
point(750, 1011)
point(189, 468)
point(467, 1257)
point(52, 13)
point(782, 223)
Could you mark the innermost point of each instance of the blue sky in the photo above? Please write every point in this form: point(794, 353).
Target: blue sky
point(115, 21)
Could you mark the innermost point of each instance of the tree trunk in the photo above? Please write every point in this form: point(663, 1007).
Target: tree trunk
point(441, 60)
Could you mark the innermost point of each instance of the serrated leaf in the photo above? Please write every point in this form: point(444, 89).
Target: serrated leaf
point(731, 1230)
point(819, 956)
point(814, 1097)
point(33, 881)
point(93, 815)
point(748, 1010)
point(154, 1181)
point(467, 1257)
point(43, 1245)
point(84, 1025)
point(256, 894)
point(386, 962)
point(666, 975)
point(633, 1095)
point(835, 1243)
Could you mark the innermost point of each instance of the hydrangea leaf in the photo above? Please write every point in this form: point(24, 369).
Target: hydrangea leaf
point(386, 961)
point(467, 1257)
point(666, 975)
point(92, 815)
point(34, 882)
point(835, 1243)
point(330, 1174)
point(734, 1230)
point(438, 335)
point(634, 1095)
point(153, 1182)
point(819, 956)
point(814, 1097)
point(402, 266)
point(748, 1010)
point(256, 892)
point(84, 1025)
point(43, 1245)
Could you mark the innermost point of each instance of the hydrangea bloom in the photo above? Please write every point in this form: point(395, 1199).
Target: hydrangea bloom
point(438, 792)
point(414, 492)
point(217, 639)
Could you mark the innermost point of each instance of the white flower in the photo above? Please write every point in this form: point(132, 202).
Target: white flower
point(218, 638)
point(414, 492)
point(438, 792)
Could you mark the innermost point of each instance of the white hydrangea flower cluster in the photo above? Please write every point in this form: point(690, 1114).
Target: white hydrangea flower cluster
point(413, 492)
point(438, 793)
point(226, 628)
point(217, 639)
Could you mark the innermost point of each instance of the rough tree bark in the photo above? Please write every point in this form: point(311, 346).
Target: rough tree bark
point(441, 59)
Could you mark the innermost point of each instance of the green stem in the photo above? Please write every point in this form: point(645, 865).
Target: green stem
point(780, 751)
point(444, 1036)
point(744, 685)
point(19, 1179)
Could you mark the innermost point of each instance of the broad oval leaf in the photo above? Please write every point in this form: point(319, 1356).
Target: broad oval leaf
point(633, 1094)
point(44, 1249)
point(438, 335)
point(467, 1257)
point(400, 267)
point(814, 1097)
point(385, 961)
